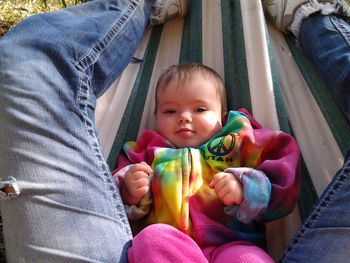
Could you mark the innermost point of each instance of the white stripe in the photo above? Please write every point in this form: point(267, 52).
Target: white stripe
point(317, 144)
point(212, 42)
point(264, 107)
point(111, 105)
point(259, 70)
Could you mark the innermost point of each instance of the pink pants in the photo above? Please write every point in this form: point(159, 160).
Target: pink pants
point(163, 243)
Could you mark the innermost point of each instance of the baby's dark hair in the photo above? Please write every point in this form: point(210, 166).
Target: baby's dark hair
point(181, 75)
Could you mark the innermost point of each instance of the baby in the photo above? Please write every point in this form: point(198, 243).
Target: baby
point(213, 175)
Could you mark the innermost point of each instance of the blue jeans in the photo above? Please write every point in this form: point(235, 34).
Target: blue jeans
point(325, 234)
point(52, 68)
point(326, 40)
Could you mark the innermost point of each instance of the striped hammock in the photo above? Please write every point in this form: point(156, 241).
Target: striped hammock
point(264, 71)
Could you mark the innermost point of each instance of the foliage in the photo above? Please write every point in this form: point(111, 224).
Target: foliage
point(14, 11)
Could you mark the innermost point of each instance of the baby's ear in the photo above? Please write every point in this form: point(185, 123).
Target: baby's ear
point(224, 118)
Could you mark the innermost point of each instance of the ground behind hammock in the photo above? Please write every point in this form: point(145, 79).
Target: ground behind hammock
point(14, 11)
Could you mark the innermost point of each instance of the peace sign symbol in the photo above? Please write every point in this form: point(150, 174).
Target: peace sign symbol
point(222, 146)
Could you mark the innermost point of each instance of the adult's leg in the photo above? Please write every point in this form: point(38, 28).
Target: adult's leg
point(326, 40)
point(325, 235)
point(52, 68)
point(324, 36)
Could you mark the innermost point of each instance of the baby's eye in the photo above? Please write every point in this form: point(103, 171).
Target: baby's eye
point(201, 109)
point(169, 111)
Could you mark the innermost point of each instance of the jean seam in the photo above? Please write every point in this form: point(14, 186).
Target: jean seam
point(83, 65)
point(82, 97)
point(331, 193)
point(90, 57)
point(340, 29)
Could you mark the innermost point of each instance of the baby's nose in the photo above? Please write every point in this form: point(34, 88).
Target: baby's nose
point(185, 117)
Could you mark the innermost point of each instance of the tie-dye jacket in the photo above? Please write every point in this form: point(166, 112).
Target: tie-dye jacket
point(181, 195)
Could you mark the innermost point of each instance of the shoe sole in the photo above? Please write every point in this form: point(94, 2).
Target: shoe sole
point(183, 7)
point(287, 20)
point(288, 11)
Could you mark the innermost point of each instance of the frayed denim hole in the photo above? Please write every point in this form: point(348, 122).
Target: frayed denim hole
point(8, 188)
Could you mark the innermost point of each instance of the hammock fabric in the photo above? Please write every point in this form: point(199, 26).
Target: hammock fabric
point(264, 72)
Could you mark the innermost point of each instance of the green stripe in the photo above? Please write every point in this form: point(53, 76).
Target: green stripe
point(235, 63)
point(308, 195)
point(129, 126)
point(279, 100)
point(335, 118)
point(191, 45)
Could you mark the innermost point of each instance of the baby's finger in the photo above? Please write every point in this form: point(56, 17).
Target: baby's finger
point(140, 192)
point(141, 167)
point(139, 174)
point(228, 198)
point(141, 181)
point(217, 178)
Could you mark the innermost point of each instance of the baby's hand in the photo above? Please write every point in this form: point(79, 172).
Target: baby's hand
point(136, 183)
point(228, 188)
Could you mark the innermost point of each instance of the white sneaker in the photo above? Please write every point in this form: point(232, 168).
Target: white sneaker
point(282, 12)
point(164, 10)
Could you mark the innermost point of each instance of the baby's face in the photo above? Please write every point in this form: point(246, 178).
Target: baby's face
point(189, 116)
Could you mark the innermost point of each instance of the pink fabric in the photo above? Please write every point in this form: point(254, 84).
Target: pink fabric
point(237, 252)
point(162, 243)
